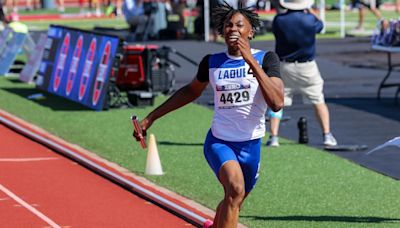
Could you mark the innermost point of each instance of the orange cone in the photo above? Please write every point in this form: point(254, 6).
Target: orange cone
point(153, 164)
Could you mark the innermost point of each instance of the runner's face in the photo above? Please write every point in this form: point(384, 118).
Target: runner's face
point(237, 26)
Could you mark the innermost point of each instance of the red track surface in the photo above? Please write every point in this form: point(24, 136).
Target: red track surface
point(58, 190)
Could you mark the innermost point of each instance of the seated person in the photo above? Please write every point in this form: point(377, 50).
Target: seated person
point(178, 7)
point(135, 16)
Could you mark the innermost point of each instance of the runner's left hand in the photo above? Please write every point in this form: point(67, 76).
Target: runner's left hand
point(245, 49)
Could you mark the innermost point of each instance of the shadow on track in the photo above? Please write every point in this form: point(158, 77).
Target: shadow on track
point(326, 218)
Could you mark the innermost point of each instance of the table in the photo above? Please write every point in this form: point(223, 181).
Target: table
point(389, 50)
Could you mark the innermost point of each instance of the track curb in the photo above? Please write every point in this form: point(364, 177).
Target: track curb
point(183, 207)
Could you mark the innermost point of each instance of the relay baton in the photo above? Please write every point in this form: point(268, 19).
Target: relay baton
point(138, 129)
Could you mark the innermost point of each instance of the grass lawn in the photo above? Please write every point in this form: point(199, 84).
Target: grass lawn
point(333, 23)
point(299, 186)
point(118, 23)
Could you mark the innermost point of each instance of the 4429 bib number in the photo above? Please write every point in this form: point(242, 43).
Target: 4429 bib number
point(234, 98)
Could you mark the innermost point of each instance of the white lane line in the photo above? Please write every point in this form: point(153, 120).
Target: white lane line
point(27, 159)
point(29, 207)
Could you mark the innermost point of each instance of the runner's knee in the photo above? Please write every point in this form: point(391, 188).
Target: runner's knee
point(235, 193)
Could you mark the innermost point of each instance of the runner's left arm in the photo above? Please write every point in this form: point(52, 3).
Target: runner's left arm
point(271, 85)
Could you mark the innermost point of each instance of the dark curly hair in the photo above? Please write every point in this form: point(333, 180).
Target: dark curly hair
point(224, 12)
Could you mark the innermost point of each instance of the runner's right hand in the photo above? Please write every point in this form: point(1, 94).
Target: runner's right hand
point(144, 125)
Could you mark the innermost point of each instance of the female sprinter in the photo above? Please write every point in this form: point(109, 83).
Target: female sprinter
point(245, 81)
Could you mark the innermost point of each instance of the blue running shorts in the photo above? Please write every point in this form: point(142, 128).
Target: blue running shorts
point(246, 153)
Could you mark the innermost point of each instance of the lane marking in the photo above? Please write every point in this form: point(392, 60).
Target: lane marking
point(58, 145)
point(29, 207)
point(27, 159)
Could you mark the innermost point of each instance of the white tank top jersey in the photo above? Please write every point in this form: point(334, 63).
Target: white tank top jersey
point(239, 106)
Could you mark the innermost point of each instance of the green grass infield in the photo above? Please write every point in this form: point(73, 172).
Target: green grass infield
point(299, 186)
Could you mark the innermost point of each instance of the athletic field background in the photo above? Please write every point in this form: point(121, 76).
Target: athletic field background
point(299, 186)
point(332, 21)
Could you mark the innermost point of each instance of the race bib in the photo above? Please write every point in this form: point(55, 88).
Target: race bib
point(233, 95)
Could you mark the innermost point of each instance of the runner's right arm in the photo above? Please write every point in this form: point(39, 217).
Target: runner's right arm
point(183, 96)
